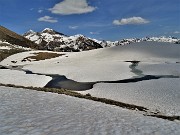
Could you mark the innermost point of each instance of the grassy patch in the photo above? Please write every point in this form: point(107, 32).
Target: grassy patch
point(43, 56)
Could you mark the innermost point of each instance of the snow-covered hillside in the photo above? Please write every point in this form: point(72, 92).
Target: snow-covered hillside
point(28, 112)
point(7, 49)
point(4, 45)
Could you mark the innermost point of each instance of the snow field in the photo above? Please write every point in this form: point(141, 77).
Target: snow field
point(31, 112)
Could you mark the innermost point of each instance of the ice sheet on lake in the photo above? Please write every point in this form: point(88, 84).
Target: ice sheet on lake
point(160, 68)
point(162, 94)
point(20, 78)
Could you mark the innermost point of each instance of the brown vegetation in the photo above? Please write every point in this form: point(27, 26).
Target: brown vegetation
point(42, 56)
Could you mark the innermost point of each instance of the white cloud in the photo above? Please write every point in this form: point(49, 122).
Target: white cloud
point(131, 20)
point(40, 11)
point(68, 7)
point(94, 33)
point(48, 19)
point(73, 27)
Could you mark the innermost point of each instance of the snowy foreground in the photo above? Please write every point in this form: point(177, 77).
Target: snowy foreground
point(35, 113)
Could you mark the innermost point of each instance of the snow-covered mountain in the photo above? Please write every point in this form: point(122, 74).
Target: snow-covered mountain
point(135, 40)
point(53, 40)
point(50, 39)
point(120, 42)
point(162, 39)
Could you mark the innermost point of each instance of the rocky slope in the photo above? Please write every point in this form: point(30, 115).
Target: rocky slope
point(15, 39)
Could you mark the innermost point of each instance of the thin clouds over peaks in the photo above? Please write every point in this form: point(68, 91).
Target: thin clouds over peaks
point(47, 19)
point(69, 7)
point(131, 20)
point(73, 27)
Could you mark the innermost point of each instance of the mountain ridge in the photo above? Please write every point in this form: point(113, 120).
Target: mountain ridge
point(56, 41)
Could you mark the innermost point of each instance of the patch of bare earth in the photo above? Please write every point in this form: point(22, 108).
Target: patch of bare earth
point(42, 56)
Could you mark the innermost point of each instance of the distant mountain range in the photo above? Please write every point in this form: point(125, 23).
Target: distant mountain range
point(49, 39)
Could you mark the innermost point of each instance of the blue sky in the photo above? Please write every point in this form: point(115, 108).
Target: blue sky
point(100, 19)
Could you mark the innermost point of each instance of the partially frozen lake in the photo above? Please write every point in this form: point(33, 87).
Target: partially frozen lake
point(111, 70)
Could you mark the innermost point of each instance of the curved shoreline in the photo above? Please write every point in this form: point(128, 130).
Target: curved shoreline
point(61, 81)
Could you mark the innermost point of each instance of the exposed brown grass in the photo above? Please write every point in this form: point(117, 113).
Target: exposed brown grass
point(43, 56)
